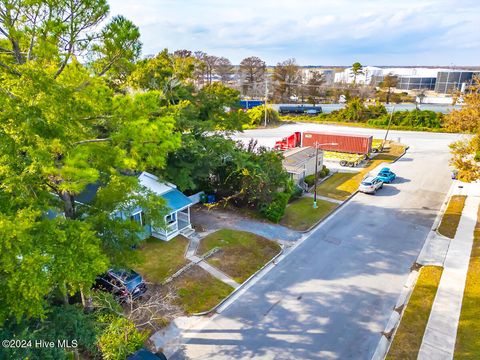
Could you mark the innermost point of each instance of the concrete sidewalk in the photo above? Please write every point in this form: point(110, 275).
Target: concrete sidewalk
point(194, 242)
point(441, 332)
point(320, 197)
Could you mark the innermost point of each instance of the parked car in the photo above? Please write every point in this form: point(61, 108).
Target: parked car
point(125, 285)
point(386, 175)
point(370, 185)
point(144, 354)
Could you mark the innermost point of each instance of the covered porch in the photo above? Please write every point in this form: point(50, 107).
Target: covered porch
point(176, 221)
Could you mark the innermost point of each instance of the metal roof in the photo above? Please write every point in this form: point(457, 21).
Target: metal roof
point(295, 159)
point(88, 194)
point(176, 200)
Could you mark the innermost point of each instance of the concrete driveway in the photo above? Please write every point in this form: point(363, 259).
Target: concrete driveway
point(212, 220)
point(332, 295)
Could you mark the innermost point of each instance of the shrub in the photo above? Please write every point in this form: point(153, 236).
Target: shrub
point(296, 192)
point(310, 179)
point(276, 209)
point(413, 119)
point(257, 116)
point(324, 172)
point(120, 339)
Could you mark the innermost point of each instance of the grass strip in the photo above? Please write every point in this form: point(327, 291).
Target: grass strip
point(467, 345)
point(451, 217)
point(157, 259)
point(300, 214)
point(241, 253)
point(408, 338)
point(199, 291)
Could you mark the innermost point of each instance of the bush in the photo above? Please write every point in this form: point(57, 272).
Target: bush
point(296, 192)
point(257, 116)
point(310, 179)
point(412, 119)
point(120, 339)
point(276, 209)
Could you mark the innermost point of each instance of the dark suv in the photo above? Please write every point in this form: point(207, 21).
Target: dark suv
point(125, 285)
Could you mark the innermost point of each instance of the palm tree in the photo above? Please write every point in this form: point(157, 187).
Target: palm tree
point(357, 69)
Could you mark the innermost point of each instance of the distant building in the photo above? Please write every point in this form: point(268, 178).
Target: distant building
point(328, 74)
point(454, 80)
point(300, 162)
point(408, 82)
point(364, 77)
point(442, 81)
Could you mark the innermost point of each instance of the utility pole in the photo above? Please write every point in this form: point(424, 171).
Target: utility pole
point(316, 172)
point(317, 145)
point(266, 97)
point(388, 128)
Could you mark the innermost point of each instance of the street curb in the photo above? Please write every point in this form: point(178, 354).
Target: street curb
point(242, 285)
point(391, 328)
point(331, 213)
point(404, 152)
point(393, 323)
point(439, 217)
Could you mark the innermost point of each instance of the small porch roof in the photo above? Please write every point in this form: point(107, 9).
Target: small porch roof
point(176, 200)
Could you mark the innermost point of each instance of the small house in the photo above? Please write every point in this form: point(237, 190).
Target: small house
point(300, 162)
point(177, 220)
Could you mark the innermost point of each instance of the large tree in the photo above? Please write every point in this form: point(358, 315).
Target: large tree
point(63, 129)
point(466, 152)
point(224, 69)
point(314, 84)
point(389, 81)
point(357, 69)
point(252, 72)
point(287, 78)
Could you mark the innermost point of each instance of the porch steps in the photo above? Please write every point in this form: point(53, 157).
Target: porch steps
point(187, 232)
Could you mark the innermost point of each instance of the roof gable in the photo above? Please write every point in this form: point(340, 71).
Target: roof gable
point(152, 183)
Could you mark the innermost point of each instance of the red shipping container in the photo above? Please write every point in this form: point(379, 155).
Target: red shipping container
point(353, 144)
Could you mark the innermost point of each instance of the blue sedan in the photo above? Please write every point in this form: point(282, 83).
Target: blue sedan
point(386, 175)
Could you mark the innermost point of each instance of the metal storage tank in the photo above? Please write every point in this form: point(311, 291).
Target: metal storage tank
point(353, 144)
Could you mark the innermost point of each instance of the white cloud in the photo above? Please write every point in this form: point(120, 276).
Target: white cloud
point(314, 31)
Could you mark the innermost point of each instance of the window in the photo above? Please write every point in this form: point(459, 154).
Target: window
point(171, 218)
point(138, 217)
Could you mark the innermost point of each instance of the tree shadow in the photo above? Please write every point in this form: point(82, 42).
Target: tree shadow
point(330, 298)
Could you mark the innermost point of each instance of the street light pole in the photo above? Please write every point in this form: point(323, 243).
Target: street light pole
point(266, 96)
point(315, 182)
point(388, 128)
point(317, 145)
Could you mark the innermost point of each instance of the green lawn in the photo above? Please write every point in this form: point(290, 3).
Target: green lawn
point(467, 345)
point(199, 291)
point(334, 187)
point(158, 259)
point(300, 214)
point(341, 185)
point(451, 218)
point(408, 338)
point(241, 253)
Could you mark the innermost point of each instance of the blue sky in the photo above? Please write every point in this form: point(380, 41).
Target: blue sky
point(315, 32)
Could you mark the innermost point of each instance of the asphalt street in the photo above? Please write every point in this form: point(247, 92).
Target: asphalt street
point(331, 297)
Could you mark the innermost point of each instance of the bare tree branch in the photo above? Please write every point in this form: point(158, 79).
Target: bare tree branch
point(92, 141)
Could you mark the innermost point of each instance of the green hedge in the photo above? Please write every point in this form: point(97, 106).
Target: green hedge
point(414, 119)
point(310, 179)
point(275, 210)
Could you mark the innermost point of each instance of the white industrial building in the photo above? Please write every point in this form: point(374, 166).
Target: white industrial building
point(440, 80)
